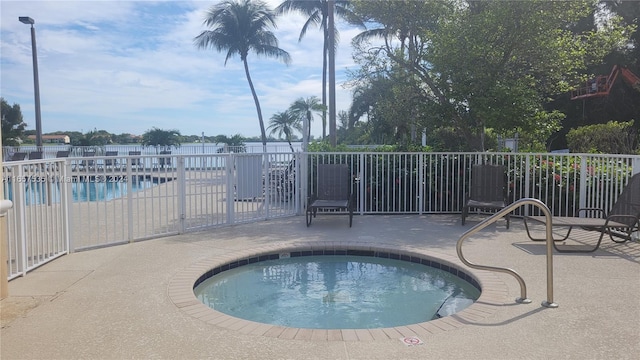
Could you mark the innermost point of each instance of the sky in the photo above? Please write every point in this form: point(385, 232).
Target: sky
point(129, 66)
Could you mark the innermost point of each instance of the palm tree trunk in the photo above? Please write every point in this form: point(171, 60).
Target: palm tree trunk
point(332, 75)
point(263, 133)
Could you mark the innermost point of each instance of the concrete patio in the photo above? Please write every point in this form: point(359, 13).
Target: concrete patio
point(115, 302)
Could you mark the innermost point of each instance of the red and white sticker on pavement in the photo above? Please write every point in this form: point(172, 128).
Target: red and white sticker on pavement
point(411, 341)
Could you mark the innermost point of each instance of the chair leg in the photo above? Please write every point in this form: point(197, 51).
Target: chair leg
point(308, 216)
point(464, 214)
point(526, 227)
point(582, 251)
point(622, 239)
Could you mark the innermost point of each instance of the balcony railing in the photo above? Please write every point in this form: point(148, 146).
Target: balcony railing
point(77, 203)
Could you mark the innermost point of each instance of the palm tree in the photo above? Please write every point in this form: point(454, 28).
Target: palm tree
point(318, 15)
point(161, 139)
point(283, 123)
point(239, 27)
point(236, 143)
point(303, 109)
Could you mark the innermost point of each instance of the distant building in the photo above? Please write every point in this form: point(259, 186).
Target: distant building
point(58, 139)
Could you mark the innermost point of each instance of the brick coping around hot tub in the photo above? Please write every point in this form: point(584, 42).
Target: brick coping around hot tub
point(494, 292)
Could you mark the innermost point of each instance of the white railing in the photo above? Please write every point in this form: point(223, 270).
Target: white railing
point(52, 151)
point(38, 232)
point(77, 203)
point(437, 182)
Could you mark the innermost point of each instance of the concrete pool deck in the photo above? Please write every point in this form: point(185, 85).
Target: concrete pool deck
point(119, 302)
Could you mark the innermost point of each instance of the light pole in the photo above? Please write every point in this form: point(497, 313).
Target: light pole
point(36, 83)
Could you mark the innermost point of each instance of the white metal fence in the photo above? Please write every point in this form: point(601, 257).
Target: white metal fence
point(63, 205)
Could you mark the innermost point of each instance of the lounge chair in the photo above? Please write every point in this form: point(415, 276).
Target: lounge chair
point(620, 223)
point(164, 161)
point(34, 155)
point(61, 154)
point(135, 162)
point(18, 156)
point(110, 163)
point(86, 164)
point(333, 191)
point(487, 191)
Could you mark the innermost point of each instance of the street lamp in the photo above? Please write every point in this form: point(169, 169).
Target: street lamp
point(36, 84)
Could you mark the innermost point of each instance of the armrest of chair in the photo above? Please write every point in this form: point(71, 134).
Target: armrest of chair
point(617, 218)
point(592, 211)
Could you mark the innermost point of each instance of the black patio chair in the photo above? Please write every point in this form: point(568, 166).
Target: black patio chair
point(134, 161)
point(18, 156)
point(164, 161)
point(87, 164)
point(110, 163)
point(333, 191)
point(620, 223)
point(488, 191)
point(35, 155)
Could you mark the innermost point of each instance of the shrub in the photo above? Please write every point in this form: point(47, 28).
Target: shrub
point(610, 138)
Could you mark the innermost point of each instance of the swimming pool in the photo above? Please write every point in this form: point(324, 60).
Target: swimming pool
point(83, 188)
point(348, 290)
point(180, 290)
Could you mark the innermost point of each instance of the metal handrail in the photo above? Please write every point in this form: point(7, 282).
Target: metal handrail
point(497, 216)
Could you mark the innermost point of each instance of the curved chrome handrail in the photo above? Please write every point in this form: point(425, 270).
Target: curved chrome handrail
point(500, 214)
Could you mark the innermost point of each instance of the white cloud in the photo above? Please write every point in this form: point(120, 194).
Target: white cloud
point(128, 66)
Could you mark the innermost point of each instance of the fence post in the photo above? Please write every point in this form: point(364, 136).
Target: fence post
point(635, 166)
point(267, 183)
point(582, 203)
point(66, 200)
point(130, 197)
point(229, 170)
point(181, 177)
point(421, 183)
point(20, 214)
point(527, 181)
point(5, 205)
point(362, 183)
point(303, 170)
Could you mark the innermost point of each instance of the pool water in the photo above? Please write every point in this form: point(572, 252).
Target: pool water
point(81, 190)
point(336, 292)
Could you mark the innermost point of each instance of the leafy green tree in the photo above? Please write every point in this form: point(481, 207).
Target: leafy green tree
point(240, 27)
point(161, 139)
point(610, 138)
point(303, 109)
point(12, 124)
point(622, 102)
point(488, 64)
point(317, 12)
point(283, 124)
point(123, 138)
point(236, 141)
point(629, 11)
point(93, 138)
point(74, 136)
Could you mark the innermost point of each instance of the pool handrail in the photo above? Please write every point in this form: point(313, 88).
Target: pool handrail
point(549, 254)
